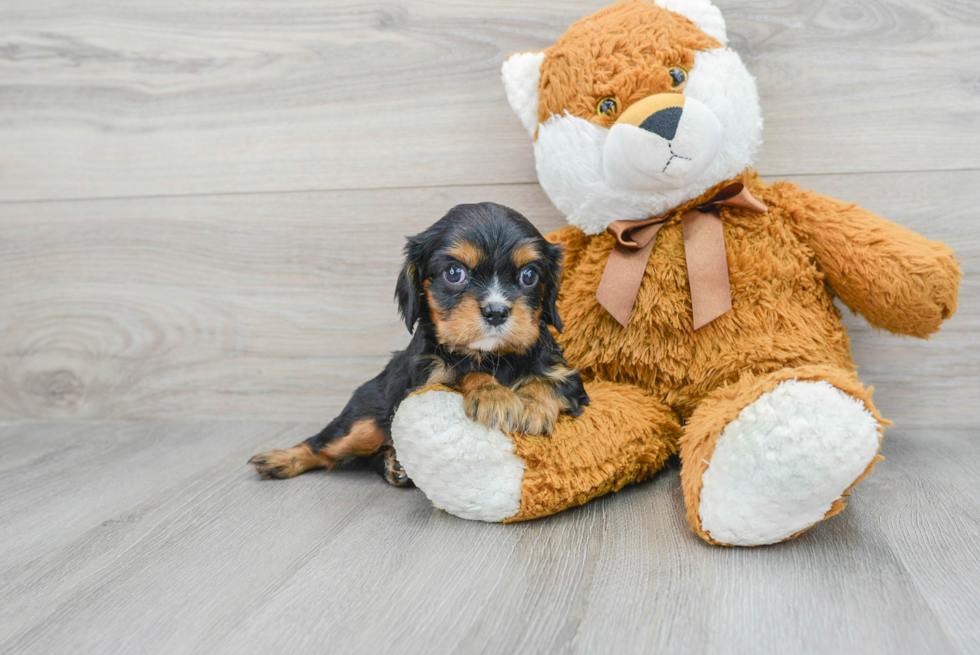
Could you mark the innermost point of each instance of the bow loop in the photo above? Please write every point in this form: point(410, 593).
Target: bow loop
point(704, 250)
point(635, 235)
point(734, 195)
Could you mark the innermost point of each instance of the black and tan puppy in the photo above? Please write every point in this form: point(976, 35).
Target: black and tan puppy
point(478, 292)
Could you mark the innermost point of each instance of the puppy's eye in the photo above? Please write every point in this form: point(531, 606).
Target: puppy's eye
point(678, 76)
point(529, 277)
point(455, 274)
point(606, 106)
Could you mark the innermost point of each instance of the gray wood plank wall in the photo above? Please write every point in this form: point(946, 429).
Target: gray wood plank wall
point(201, 206)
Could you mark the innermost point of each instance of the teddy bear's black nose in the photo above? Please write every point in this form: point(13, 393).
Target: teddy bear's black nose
point(495, 314)
point(664, 122)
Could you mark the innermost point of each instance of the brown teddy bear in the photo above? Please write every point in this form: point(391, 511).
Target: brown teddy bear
point(697, 299)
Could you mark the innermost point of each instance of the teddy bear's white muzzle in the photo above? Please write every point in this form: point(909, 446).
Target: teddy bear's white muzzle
point(669, 149)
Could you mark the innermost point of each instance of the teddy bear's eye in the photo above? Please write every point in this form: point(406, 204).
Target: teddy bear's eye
point(606, 106)
point(677, 76)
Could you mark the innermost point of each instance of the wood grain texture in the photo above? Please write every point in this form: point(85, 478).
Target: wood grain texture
point(275, 307)
point(108, 98)
point(201, 212)
point(110, 554)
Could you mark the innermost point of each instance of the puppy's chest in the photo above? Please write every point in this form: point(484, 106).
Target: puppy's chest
point(451, 370)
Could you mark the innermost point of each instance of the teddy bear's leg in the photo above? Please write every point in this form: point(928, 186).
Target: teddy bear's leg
point(624, 435)
point(769, 456)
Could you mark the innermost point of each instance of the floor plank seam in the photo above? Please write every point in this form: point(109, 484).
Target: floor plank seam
point(315, 190)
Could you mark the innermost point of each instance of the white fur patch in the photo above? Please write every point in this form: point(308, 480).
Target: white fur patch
point(702, 13)
point(720, 81)
point(569, 150)
point(778, 467)
point(633, 158)
point(495, 295)
point(521, 73)
point(462, 466)
point(487, 344)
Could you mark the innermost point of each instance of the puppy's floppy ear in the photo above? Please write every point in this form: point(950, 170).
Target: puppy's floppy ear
point(408, 288)
point(549, 311)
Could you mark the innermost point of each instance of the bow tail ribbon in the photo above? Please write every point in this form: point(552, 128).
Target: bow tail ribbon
point(624, 272)
point(704, 250)
point(707, 266)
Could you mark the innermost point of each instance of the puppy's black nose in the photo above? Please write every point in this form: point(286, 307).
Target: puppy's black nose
point(495, 314)
point(664, 122)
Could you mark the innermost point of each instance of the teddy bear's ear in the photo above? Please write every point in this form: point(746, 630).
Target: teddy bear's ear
point(702, 13)
point(521, 73)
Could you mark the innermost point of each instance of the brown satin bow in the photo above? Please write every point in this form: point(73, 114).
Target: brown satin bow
point(704, 249)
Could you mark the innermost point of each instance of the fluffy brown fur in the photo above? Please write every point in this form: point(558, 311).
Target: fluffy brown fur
point(785, 268)
point(581, 69)
point(625, 436)
point(783, 314)
point(783, 324)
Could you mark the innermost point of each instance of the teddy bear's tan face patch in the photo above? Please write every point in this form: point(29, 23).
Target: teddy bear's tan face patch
point(599, 59)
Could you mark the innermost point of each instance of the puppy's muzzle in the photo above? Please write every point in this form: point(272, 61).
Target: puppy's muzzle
point(662, 142)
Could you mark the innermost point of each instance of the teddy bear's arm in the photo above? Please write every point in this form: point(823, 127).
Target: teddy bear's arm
point(897, 279)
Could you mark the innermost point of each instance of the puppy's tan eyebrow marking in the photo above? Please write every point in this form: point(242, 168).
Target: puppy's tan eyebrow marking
point(524, 254)
point(466, 252)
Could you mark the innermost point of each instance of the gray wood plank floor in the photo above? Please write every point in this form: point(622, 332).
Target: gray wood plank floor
point(153, 537)
point(201, 211)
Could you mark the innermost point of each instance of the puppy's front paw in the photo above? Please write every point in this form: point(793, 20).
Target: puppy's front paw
point(539, 414)
point(493, 405)
point(541, 407)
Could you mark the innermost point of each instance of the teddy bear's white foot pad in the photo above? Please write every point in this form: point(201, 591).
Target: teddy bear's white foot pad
point(463, 467)
point(779, 466)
